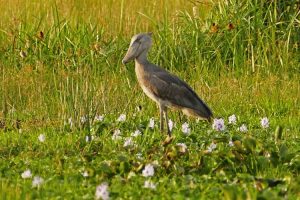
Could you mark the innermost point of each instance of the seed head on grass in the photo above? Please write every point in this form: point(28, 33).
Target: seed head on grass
point(218, 124)
point(102, 191)
point(23, 54)
point(148, 171)
point(26, 174)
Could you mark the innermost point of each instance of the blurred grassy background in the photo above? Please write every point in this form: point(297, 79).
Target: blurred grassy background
point(62, 59)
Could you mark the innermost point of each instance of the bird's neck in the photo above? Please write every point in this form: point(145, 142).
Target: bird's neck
point(142, 59)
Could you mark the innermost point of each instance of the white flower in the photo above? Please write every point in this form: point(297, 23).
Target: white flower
point(185, 128)
point(89, 138)
point(102, 191)
point(139, 156)
point(70, 122)
point(170, 124)
point(37, 181)
point(136, 133)
point(116, 135)
point(230, 143)
point(99, 118)
point(232, 119)
point(83, 119)
point(128, 142)
point(121, 118)
point(26, 174)
point(42, 138)
point(148, 170)
point(265, 122)
point(218, 124)
point(243, 128)
point(85, 174)
point(150, 185)
point(183, 147)
point(211, 147)
point(151, 123)
point(131, 174)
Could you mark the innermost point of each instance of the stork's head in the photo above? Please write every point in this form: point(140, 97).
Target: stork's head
point(140, 44)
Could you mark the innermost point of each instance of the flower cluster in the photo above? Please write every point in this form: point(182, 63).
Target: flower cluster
point(102, 191)
point(218, 124)
point(148, 170)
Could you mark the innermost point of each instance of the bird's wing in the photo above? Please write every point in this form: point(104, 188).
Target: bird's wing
point(170, 88)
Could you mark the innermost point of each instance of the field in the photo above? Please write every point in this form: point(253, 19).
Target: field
point(75, 124)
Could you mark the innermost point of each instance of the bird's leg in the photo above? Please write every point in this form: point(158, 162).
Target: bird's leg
point(161, 118)
point(167, 121)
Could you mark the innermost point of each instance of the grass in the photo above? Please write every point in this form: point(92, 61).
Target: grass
point(241, 57)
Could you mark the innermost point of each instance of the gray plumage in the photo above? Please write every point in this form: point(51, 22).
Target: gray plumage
point(166, 89)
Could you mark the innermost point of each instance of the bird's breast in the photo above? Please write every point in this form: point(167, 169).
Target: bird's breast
point(142, 77)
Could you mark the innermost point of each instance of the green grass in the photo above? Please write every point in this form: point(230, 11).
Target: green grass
point(75, 70)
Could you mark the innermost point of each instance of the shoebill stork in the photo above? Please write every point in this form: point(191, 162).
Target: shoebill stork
point(166, 89)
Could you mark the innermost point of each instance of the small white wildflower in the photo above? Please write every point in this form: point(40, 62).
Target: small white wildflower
point(37, 181)
point(83, 119)
point(136, 133)
point(131, 174)
point(102, 191)
point(265, 122)
point(139, 156)
point(183, 147)
point(170, 124)
point(151, 123)
point(230, 143)
point(232, 119)
point(99, 118)
point(218, 124)
point(243, 128)
point(85, 174)
point(128, 142)
point(116, 135)
point(26, 174)
point(212, 147)
point(70, 122)
point(148, 170)
point(121, 118)
point(150, 185)
point(42, 138)
point(185, 128)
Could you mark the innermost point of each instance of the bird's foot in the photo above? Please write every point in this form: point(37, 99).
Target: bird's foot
point(168, 140)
